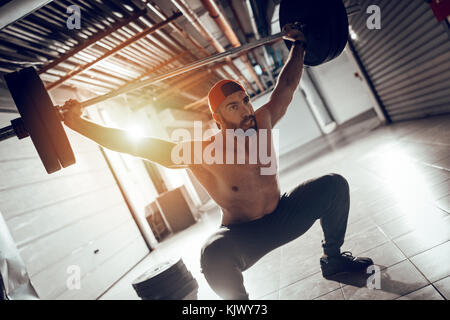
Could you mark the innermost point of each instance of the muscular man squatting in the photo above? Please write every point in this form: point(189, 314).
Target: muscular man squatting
point(256, 217)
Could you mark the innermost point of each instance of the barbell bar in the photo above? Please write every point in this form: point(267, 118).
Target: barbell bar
point(8, 131)
point(324, 24)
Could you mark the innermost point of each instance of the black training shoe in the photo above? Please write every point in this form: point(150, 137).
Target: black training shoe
point(344, 262)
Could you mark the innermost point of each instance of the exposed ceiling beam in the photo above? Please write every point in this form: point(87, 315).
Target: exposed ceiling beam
point(17, 9)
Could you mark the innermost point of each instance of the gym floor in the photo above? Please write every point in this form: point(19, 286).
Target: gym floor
point(399, 178)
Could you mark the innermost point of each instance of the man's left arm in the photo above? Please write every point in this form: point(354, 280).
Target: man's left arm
point(288, 80)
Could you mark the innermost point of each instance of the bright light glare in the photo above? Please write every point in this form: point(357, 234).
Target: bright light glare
point(135, 131)
point(353, 34)
point(409, 186)
point(258, 70)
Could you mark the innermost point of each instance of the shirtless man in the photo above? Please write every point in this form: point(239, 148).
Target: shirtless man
point(256, 218)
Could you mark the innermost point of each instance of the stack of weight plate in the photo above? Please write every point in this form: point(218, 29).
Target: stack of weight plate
point(167, 281)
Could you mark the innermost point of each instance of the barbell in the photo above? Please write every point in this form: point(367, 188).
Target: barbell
point(324, 24)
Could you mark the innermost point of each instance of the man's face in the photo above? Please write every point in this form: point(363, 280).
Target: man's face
point(236, 112)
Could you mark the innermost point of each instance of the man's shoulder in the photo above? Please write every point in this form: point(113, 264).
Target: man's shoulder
point(263, 117)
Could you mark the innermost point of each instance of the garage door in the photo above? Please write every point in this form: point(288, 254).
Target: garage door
point(408, 59)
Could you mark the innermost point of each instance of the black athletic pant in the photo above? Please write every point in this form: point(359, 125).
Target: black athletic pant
point(235, 248)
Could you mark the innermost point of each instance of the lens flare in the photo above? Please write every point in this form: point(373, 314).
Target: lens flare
point(136, 131)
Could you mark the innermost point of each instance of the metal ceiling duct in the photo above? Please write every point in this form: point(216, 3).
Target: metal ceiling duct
point(225, 26)
point(194, 20)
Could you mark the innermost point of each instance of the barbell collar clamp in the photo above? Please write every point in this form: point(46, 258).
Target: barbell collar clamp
point(16, 129)
point(19, 128)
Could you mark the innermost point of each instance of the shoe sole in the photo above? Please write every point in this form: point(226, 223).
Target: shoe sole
point(329, 274)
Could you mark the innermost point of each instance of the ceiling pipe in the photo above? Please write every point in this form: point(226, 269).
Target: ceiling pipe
point(152, 6)
point(224, 25)
point(194, 20)
point(17, 9)
point(265, 62)
point(255, 30)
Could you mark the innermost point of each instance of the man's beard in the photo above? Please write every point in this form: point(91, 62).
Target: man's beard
point(230, 125)
point(249, 120)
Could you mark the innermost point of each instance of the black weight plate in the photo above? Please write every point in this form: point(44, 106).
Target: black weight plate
point(344, 28)
point(315, 15)
point(334, 30)
point(32, 122)
point(341, 27)
point(166, 271)
point(166, 292)
point(183, 291)
point(164, 288)
point(340, 13)
point(44, 107)
point(160, 272)
point(191, 295)
point(175, 282)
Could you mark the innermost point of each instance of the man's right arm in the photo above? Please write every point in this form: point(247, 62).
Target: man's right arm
point(148, 148)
